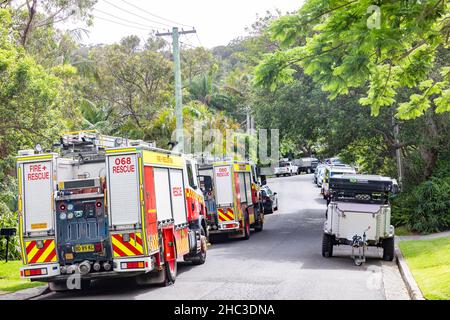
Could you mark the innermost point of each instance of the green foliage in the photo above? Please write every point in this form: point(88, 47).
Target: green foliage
point(8, 216)
point(332, 42)
point(29, 99)
point(8, 219)
point(426, 208)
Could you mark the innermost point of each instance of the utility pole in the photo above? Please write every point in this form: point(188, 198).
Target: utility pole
point(398, 153)
point(178, 85)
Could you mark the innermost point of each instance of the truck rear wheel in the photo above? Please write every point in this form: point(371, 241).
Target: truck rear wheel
point(200, 258)
point(327, 246)
point(246, 228)
point(388, 249)
point(171, 268)
point(259, 226)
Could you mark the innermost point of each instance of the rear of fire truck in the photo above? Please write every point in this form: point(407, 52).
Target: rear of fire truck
point(64, 221)
point(234, 197)
point(37, 230)
point(155, 213)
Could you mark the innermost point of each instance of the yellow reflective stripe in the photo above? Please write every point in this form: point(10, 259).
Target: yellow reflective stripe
point(224, 217)
point(121, 150)
point(34, 158)
point(46, 253)
point(122, 248)
point(135, 243)
point(144, 232)
point(162, 159)
point(19, 204)
point(33, 252)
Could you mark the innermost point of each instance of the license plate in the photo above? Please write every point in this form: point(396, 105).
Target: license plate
point(84, 248)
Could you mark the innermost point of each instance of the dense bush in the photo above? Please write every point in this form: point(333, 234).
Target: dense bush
point(426, 208)
point(8, 216)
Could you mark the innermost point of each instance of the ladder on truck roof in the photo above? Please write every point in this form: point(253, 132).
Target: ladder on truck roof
point(92, 145)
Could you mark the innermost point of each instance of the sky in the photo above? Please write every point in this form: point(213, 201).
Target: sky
point(216, 21)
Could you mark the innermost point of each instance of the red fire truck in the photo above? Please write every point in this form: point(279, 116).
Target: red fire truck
point(231, 190)
point(97, 210)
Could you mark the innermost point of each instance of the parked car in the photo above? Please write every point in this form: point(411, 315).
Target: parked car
point(269, 200)
point(333, 161)
point(316, 173)
point(307, 165)
point(286, 169)
point(320, 175)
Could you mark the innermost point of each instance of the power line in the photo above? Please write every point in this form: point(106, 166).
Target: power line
point(127, 21)
point(137, 15)
point(187, 44)
point(122, 24)
point(198, 38)
point(189, 41)
point(154, 15)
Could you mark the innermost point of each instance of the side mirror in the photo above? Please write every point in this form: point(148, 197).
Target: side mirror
point(395, 189)
point(263, 180)
point(275, 193)
point(206, 183)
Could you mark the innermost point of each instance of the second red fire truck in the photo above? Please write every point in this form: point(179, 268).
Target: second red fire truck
point(231, 190)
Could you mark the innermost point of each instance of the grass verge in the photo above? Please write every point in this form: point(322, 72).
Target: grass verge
point(429, 262)
point(10, 278)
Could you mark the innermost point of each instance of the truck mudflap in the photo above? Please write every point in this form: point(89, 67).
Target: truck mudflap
point(170, 254)
point(40, 271)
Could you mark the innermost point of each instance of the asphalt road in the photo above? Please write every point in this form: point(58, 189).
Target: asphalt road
point(282, 262)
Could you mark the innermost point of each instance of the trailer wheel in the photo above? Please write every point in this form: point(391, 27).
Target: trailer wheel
point(327, 246)
point(388, 249)
point(200, 258)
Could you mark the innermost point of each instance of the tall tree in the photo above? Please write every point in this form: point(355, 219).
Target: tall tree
point(340, 47)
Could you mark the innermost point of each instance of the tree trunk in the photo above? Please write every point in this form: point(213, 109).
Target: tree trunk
point(31, 13)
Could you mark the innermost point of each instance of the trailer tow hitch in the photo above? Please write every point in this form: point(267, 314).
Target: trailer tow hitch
point(359, 243)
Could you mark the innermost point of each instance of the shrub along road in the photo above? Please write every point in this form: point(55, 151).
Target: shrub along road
point(282, 262)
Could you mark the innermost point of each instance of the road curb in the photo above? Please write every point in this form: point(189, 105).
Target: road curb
point(26, 294)
point(411, 284)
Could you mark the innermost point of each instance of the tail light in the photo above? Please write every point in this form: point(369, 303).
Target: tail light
point(98, 204)
point(133, 265)
point(62, 207)
point(98, 247)
point(35, 272)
